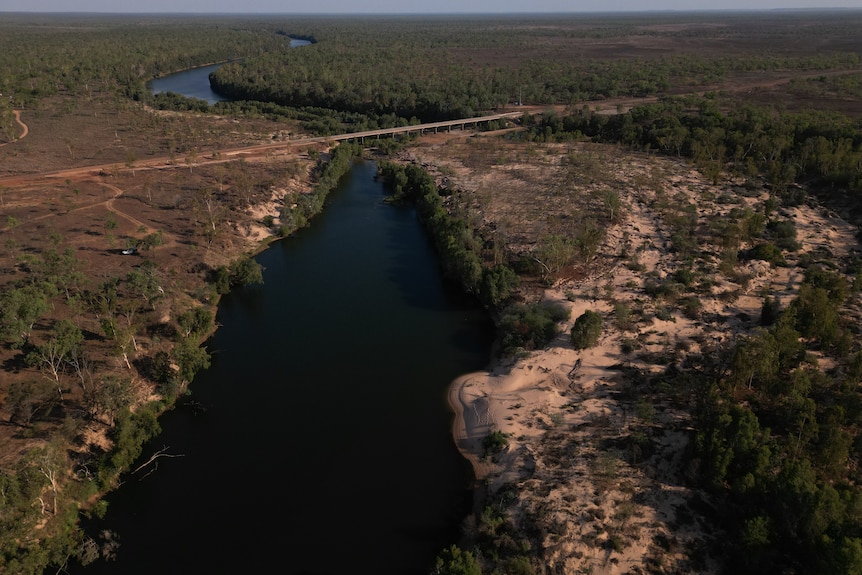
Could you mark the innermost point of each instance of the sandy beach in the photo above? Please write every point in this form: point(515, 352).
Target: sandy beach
point(594, 463)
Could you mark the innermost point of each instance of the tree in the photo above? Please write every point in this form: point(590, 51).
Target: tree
point(145, 281)
point(195, 321)
point(587, 330)
point(51, 461)
point(108, 397)
point(531, 326)
point(62, 345)
point(817, 314)
point(209, 209)
point(553, 253)
point(755, 357)
point(245, 271)
point(454, 561)
point(122, 336)
point(498, 284)
point(29, 399)
point(19, 310)
point(151, 241)
point(769, 310)
point(190, 358)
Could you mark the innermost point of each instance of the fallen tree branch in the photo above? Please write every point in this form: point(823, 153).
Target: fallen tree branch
point(156, 455)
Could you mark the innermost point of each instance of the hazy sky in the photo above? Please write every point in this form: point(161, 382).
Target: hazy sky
point(402, 6)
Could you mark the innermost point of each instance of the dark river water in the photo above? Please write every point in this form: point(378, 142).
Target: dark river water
point(325, 445)
point(195, 83)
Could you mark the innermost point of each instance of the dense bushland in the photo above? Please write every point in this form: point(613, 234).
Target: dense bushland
point(441, 69)
point(724, 137)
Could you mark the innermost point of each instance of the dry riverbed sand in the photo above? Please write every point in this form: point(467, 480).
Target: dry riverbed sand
point(597, 465)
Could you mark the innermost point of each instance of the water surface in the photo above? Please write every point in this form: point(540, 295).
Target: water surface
point(195, 83)
point(325, 446)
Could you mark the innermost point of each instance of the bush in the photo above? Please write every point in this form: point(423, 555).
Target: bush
point(691, 307)
point(454, 561)
point(769, 311)
point(783, 233)
point(531, 326)
point(587, 330)
point(684, 276)
point(245, 271)
point(623, 316)
point(498, 285)
point(768, 252)
point(495, 442)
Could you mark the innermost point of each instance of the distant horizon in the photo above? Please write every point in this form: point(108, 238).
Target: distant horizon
point(418, 7)
point(438, 13)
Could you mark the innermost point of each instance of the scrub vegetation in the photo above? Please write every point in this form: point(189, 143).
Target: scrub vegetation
point(760, 111)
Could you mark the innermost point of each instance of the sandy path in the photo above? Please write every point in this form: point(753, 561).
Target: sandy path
point(109, 204)
point(24, 128)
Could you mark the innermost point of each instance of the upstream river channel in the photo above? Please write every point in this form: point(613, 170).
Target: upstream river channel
point(195, 82)
point(319, 442)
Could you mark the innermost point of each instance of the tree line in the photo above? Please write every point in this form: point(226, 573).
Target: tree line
point(777, 435)
point(70, 383)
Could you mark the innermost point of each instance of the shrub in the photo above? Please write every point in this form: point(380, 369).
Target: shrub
point(769, 311)
point(498, 284)
point(519, 566)
point(783, 232)
point(454, 561)
point(684, 276)
point(531, 326)
point(768, 252)
point(623, 317)
point(587, 330)
point(691, 307)
point(495, 442)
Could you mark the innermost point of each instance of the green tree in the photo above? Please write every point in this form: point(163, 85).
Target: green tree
point(191, 358)
point(769, 310)
point(108, 397)
point(145, 281)
point(587, 330)
point(151, 241)
point(58, 350)
point(455, 561)
point(29, 399)
point(19, 310)
point(817, 314)
point(530, 326)
point(498, 284)
point(553, 253)
point(195, 321)
point(246, 271)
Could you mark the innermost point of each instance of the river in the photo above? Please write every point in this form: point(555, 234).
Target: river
point(320, 439)
point(195, 83)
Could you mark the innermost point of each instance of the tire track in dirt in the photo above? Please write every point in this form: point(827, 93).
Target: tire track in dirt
point(24, 128)
point(109, 204)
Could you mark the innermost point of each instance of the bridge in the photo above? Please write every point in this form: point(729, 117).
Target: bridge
point(448, 125)
point(226, 155)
